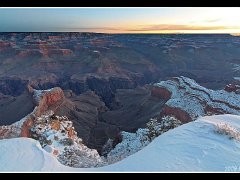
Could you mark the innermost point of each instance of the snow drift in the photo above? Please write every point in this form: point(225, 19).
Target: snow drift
point(195, 146)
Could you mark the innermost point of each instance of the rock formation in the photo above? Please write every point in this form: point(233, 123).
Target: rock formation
point(187, 100)
point(48, 100)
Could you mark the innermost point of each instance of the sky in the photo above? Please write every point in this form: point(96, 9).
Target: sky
point(122, 20)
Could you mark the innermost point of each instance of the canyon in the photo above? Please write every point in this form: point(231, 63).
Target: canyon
point(108, 83)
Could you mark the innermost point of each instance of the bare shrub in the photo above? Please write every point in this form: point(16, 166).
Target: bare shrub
point(226, 129)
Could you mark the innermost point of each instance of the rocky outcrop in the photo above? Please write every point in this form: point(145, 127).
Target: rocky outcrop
point(44, 100)
point(11, 131)
point(162, 93)
point(27, 124)
point(232, 88)
point(47, 100)
point(176, 112)
point(56, 135)
point(187, 100)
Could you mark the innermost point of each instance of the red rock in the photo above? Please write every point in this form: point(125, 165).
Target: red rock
point(50, 101)
point(160, 92)
point(30, 89)
point(188, 90)
point(180, 114)
point(9, 132)
point(4, 44)
point(71, 132)
point(55, 152)
point(55, 125)
point(59, 52)
point(211, 110)
point(25, 130)
point(232, 88)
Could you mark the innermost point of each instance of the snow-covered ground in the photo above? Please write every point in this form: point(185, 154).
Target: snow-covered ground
point(189, 96)
point(134, 142)
point(236, 67)
point(58, 137)
point(131, 143)
point(37, 94)
point(25, 154)
point(191, 147)
point(237, 78)
point(195, 146)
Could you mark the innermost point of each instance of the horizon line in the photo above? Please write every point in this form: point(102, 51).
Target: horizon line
point(116, 32)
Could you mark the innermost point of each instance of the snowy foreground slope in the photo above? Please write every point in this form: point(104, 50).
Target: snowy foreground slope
point(195, 146)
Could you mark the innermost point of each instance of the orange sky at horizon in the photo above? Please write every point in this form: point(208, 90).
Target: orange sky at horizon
point(122, 20)
point(205, 20)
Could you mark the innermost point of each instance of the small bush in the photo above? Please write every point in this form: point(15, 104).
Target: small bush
point(156, 128)
point(66, 142)
point(226, 129)
point(153, 129)
point(53, 117)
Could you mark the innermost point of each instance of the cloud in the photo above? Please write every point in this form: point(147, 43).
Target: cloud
point(207, 21)
point(84, 29)
point(213, 20)
point(143, 28)
point(161, 27)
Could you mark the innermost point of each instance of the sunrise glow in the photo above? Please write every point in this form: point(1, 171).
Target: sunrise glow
point(121, 20)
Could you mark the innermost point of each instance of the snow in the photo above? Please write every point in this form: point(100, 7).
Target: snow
point(237, 78)
point(24, 154)
point(14, 130)
point(134, 142)
point(191, 97)
point(59, 138)
point(37, 94)
point(131, 143)
point(191, 147)
point(236, 67)
point(195, 146)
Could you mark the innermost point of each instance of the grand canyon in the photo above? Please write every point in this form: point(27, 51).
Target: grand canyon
point(88, 97)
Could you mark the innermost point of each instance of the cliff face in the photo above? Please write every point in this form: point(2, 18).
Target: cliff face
point(48, 100)
point(187, 100)
point(26, 126)
point(161, 92)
